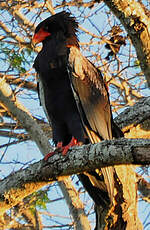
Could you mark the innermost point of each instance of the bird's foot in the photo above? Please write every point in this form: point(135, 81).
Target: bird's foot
point(65, 148)
point(62, 149)
point(49, 155)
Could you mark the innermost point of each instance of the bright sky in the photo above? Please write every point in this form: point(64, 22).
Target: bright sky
point(28, 152)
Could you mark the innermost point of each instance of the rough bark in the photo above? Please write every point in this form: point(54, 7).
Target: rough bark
point(135, 123)
point(75, 204)
point(137, 115)
point(124, 209)
point(137, 24)
point(19, 112)
point(85, 158)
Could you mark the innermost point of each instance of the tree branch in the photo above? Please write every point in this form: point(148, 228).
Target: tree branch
point(80, 159)
point(75, 205)
point(24, 182)
point(18, 111)
point(134, 115)
point(137, 24)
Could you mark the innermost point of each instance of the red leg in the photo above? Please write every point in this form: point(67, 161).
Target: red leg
point(63, 149)
point(49, 155)
point(72, 143)
point(59, 147)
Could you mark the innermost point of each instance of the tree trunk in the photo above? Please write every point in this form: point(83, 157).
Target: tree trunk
point(123, 212)
point(75, 205)
point(135, 19)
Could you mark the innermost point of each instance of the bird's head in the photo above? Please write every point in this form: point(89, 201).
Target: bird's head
point(60, 23)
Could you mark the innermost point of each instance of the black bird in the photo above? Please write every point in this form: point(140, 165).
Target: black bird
point(74, 95)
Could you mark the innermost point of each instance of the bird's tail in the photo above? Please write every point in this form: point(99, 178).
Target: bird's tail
point(108, 172)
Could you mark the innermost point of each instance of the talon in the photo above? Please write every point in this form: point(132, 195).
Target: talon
point(72, 143)
point(62, 149)
point(49, 155)
point(65, 150)
point(58, 149)
point(60, 145)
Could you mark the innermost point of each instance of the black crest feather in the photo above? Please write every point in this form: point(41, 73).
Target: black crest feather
point(62, 21)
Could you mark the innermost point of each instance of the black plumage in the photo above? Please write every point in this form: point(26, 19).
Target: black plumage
point(74, 94)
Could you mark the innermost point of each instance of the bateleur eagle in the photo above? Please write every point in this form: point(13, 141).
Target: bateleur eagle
point(74, 95)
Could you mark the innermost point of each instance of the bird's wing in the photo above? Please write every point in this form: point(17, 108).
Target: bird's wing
point(88, 85)
point(93, 104)
point(40, 90)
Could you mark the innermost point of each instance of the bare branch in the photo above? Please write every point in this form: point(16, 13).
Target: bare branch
point(137, 25)
point(80, 159)
point(21, 113)
point(75, 205)
point(135, 119)
point(144, 188)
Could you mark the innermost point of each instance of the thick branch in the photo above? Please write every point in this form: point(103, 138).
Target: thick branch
point(75, 205)
point(137, 24)
point(134, 115)
point(18, 111)
point(144, 188)
point(78, 160)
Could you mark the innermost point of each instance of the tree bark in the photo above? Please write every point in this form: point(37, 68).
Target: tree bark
point(136, 21)
point(75, 205)
point(80, 159)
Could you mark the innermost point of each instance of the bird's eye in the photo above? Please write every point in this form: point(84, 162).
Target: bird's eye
point(46, 28)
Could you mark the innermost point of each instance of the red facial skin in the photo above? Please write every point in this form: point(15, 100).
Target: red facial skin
point(40, 36)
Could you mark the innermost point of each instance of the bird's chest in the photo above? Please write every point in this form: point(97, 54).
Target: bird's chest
point(52, 68)
point(57, 91)
point(48, 66)
point(51, 60)
point(59, 100)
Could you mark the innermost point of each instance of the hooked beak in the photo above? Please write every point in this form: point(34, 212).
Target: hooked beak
point(40, 36)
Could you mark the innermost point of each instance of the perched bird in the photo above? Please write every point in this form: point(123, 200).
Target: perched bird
point(74, 95)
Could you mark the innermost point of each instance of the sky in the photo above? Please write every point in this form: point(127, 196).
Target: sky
point(20, 155)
